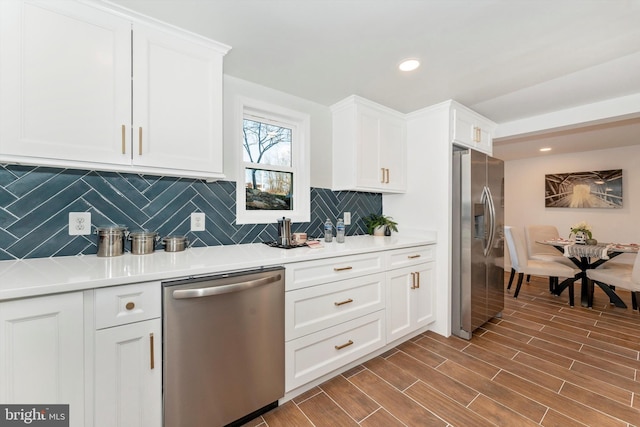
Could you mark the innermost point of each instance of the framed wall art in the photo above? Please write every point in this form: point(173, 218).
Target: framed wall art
point(593, 189)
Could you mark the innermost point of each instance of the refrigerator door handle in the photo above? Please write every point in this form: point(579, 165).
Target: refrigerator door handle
point(487, 201)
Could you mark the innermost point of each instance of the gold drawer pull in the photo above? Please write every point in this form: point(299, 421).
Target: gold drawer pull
point(347, 344)
point(343, 302)
point(152, 359)
point(124, 148)
point(130, 305)
point(413, 256)
point(342, 268)
point(140, 141)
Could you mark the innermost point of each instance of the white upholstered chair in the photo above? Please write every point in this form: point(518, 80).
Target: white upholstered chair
point(620, 275)
point(521, 263)
point(537, 233)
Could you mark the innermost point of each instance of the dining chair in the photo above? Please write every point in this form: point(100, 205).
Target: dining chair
point(521, 263)
point(619, 275)
point(537, 233)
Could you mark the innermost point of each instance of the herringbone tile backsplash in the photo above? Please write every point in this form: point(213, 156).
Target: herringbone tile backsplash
point(35, 203)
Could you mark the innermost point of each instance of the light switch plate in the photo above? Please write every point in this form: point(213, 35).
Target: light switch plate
point(79, 223)
point(197, 221)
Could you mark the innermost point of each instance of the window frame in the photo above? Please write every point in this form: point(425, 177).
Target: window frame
point(299, 123)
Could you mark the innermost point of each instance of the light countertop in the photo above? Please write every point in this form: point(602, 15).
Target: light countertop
point(41, 276)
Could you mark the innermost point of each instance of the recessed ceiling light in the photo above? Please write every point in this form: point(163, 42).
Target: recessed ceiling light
point(545, 149)
point(409, 65)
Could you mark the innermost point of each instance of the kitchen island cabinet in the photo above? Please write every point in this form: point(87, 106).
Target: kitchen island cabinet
point(42, 356)
point(88, 86)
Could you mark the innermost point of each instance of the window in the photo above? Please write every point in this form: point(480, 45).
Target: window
point(274, 164)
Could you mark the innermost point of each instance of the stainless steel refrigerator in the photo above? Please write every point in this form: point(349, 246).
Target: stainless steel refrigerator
point(477, 274)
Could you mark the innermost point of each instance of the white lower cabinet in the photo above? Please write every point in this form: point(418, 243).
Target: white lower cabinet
point(128, 356)
point(42, 352)
point(329, 323)
point(128, 379)
point(314, 355)
point(409, 302)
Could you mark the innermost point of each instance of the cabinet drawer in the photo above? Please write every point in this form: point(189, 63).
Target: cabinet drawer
point(314, 355)
point(310, 273)
point(312, 309)
point(410, 256)
point(119, 305)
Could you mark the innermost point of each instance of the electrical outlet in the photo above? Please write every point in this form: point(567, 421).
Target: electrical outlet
point(197, 221)
point(79, 223)
point(347, 218)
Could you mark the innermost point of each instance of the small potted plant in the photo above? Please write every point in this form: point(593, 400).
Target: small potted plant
point(582, 231)
point(380, 225)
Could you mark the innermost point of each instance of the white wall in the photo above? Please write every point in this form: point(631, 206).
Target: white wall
point(524, 193)
point(320, 127)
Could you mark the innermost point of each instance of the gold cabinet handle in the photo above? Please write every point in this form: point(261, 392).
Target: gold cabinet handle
point(383, 175)
point(140, 141)
point(130, 305)
point(343, 302)
point(413, 280)
point(413, 256)
point(387, 181)
point(342, 268)
point(347, 344)
point(124, 142)
point(152, 361)
point(477, 137)
point(417, 279)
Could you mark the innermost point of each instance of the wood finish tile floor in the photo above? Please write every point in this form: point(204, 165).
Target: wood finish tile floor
point(544, 363)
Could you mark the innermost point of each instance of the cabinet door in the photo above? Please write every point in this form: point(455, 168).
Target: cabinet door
point(400, 290)
point(177, 101)
point(410, 297)
point(471, 130)
point(381, 150)
point(369, 171)
point(42, 357)
point(128, 375)
point(393, 155)
point(65, 82)
point(424, 295)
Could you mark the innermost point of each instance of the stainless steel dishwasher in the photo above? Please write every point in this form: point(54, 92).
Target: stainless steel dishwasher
point(223, 347)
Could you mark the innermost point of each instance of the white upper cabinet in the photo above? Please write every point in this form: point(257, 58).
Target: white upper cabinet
point(87, 87)
point(177, 102)
point(64, 83)
point(369, 147)
point(470, 129)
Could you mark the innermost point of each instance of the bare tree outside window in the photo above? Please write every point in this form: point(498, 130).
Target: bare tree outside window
point(267, 148)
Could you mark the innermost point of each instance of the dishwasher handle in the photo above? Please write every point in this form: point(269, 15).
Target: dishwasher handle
point(224, 289)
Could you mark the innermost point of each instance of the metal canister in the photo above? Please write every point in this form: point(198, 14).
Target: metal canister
point(111, 240)
point(143, 241)
point(175, 243)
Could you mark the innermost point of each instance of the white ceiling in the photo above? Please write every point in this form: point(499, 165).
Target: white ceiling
point(506, 59)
